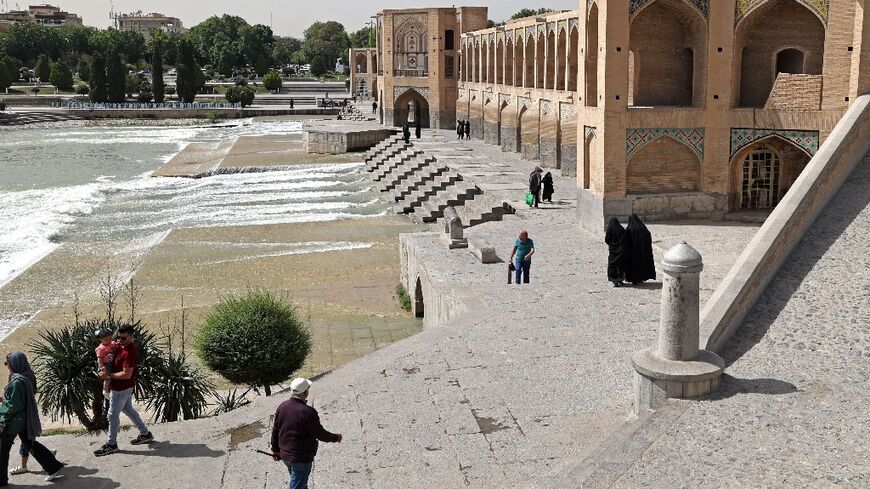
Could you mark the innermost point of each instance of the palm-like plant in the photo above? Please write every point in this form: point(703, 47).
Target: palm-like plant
point(179, 389)
point(232, 401)
point(66, 366)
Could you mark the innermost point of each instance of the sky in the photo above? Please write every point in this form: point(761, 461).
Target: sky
point(288, 17)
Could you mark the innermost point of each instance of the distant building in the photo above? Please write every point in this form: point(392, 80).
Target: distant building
point(145, 23)
point(47, 15)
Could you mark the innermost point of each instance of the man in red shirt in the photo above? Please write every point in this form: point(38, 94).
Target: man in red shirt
point(123, 377)
point(295, 434)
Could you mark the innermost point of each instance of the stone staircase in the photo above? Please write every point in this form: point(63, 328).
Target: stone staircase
point(34, 117)
point(423, 188)
point(352, 113)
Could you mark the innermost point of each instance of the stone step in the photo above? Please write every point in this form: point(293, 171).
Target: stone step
point(482, 208)
point(454, 191)
point(418, 195)
point(423, 179)
point(381, 147)
point(455, 195)
point(404, 172)
point(394, 163)
point(390, 152)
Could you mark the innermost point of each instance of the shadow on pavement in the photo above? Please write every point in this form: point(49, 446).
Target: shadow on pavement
point(731, 386)
point(177, 450)
point(80, 477)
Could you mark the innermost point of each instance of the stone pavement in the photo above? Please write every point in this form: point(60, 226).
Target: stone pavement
point(523, 388)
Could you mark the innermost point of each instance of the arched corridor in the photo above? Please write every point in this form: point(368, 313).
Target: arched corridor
point(409, 107)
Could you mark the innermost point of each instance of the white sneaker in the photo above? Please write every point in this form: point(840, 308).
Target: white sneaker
point(19, 470)
point(55, 476)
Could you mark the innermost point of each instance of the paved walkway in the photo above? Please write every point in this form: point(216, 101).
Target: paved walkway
point(525, 387)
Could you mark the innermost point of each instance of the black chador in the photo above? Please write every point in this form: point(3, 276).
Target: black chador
point(639, 263)
point(616, 257)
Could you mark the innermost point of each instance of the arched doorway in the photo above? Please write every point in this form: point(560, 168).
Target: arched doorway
point(508, 63)
point(419, 305)
point(540, 60)
point(361, 62)
point(572, 59)
point(409, 107)
point(764, 172)
point(588, 156)
point(669, 42)
point(490, 63)
point(563, 60)
point(529, 80)
point(789, 60)
point(592, 57)
point(499, 62)
point(762, 52)
point(550, 69)
point(519, 62)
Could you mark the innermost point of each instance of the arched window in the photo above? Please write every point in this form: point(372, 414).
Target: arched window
point(411, 56)
point(790, 61)
point(592, 57)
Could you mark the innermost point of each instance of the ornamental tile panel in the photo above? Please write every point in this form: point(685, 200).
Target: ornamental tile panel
point(399, 91)
point(542, 29)
point(807, 141)
point(492, 38)
point(703, 6)
point(573, 24)
point(589, 131)
point(566, 111)
point(546, 106)
point(637, 138)
point(504, 99)
point(743, 7)
point(523, 102)
point(509, 36)
point(551, 27)
point(530, 32)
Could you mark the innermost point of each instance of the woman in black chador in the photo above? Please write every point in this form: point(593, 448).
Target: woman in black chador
point(616, 258)
point(406, 133)
point(637, 247)
point(548, 187)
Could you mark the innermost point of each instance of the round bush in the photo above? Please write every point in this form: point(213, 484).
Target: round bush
point(256, 340)
point(83, 89)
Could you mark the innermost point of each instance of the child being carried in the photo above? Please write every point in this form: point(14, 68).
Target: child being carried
point(105, 356)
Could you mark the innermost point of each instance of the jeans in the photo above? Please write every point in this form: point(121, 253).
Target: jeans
point(298, 474)
point(523, 267)
point(122, 401)
point(42, 455)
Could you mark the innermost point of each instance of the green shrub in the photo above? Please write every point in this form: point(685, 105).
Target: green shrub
point(256, 340)
point(179, 389)
point(240, 94)
point(404, 298)
point(230, 402)
point(60, 76)
point(82, 89)
point(213, 117)
point(272, 81)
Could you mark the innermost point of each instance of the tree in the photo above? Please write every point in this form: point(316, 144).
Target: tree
point(157, 85)
point(527, 12)
point(5, 77)
point(272, 81)
point(256, 46)
point(190, 78)
point(116, 78)
point(43, 68)
point(99, 90)
point(213, 36)
point(240, 94)
point(281, 54)
point(362, 38)
point(60, 76)
point(84, 69)
point(257, 340)
point(324, 43)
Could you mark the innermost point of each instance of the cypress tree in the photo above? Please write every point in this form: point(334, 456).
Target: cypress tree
point(116, 79)
point(43, 68)
point(157, 86)
point(84, 70)
point(5, 77)
point(60, 76)
point(97, 82)
point(190, 78)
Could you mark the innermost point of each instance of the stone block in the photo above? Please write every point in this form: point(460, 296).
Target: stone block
point(483, 251)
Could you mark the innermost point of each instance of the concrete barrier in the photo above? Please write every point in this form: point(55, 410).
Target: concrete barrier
point(841, 152)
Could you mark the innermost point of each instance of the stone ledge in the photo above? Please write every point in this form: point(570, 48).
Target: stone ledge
point(708, 365)
point(483, 251)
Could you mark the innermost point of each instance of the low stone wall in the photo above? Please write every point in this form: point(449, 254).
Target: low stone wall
point(841, 152)
point(594, 212)
point(436, 300)
point(327, 141)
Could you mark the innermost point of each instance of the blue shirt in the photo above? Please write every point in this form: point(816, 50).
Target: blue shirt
point(523, 249)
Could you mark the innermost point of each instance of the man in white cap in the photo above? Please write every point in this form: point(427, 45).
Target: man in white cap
point(295, 434)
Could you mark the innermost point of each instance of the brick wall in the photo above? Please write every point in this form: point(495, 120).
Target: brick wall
point(795, 92)
point(663, 165)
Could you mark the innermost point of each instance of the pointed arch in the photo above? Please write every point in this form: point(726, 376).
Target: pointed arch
point(520, 61)
point(763, 172)
point(509, 61)
point(529, 77)
point(499, 62)
point(664, 165)
point(591, 63)
point(540, 58)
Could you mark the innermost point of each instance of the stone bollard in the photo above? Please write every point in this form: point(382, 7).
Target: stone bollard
point(676, 367)
point(454, 232)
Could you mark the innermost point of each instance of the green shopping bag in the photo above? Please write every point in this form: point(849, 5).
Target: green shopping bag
point(530, 199)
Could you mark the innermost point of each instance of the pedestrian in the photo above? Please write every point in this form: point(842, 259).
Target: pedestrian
point(374, 106)
point(535, 185)
point(418, 128)
point(637, 243)
point(291, 103)
point(295, 434)
point(521, 257)
point(123, 377)
point(19, 414)
point(459, 129)
point(616, 252)
point(467, 129)
point(406, 133)
point(547, 181)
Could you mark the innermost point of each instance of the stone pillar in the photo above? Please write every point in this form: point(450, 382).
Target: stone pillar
point(676, 367)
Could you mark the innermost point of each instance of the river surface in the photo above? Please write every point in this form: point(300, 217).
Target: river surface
point(93, 185)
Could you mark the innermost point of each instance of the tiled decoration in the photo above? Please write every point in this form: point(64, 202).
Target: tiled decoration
point(399, 91)
point(743, 7)
point(589, 131)
point(808, 141)
point(637, 138)
point(703, 6)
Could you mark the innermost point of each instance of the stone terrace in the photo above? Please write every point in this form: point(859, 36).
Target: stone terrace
point(524, 387)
